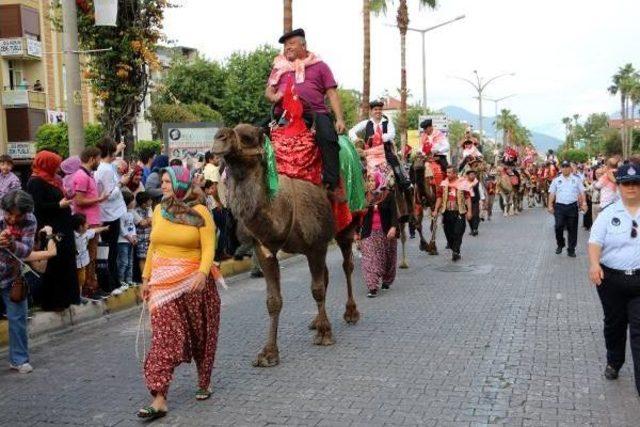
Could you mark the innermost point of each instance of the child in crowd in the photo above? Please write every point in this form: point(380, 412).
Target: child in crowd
point(209, 190)
point(45, 248)
point(127, 240)
point(83, 234)
point(142, 218)
point(8, 180)
point(379, 245)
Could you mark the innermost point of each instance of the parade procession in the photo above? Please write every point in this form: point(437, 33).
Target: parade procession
point(311, 220)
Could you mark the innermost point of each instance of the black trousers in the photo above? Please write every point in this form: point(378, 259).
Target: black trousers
point(222, 241)
point(566, 216)
point(474, 222)
point(111, 238)
point(454, 226)
point(587, 220)
point(327, 140)
point(620, 298)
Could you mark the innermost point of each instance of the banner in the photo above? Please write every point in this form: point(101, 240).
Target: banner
point(56, 117)
point(106, 12)
point(188, 141)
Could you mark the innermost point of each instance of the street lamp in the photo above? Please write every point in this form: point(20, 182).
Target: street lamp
point(424, 54)
point(480, 85)
point(495, 103)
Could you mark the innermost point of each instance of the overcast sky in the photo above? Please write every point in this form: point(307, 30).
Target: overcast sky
point(563, 52)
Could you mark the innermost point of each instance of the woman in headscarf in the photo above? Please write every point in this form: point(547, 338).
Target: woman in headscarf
point(153, 181)
point(179, 286)
point(59, 281)
point(69, 167)
point(135, 181)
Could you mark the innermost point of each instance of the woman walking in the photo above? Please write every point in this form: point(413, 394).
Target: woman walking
point(59, 281)
point(614, 267)
point(379, 245)
point(179, 285)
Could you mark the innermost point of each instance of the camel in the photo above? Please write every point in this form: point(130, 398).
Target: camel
point(425, 198)
point(297, 220)
point(506, 193)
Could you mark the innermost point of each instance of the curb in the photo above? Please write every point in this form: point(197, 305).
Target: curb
point(42, 322)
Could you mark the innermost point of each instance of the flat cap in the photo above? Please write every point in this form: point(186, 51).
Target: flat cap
point(295, 33)
point(376, 103)
point(426, 123)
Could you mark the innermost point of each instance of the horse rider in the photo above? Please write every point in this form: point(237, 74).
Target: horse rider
point(433, 141)
point(454, 202)
point(377, 131)
point(566, 193)
point(313, 82)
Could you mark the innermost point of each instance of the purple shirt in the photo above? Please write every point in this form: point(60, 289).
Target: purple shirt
point(318, 78)
point(8, 183)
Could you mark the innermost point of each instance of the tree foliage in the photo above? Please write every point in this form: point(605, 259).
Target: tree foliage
point(194, 82)
point(574, 155)
point(148, 146)
point(204, 113)
point(119, 77)
point(55, 137)
point(159, 113)
point(243, 98)
point(350, 100)
point(514, 132)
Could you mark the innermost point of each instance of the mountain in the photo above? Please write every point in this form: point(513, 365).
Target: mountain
point(541, 141)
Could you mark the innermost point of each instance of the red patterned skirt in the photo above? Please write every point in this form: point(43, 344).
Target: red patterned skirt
point(183, 329)
point(298, 156)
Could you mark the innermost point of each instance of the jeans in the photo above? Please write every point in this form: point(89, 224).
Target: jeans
point(125, 262)
point(18, 339)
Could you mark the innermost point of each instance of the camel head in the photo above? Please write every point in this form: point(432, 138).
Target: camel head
point(244, 143)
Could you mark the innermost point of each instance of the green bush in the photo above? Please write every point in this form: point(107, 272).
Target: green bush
point(574, 155)
point(160, 113)
point(204, 113)
point(149, 146)
point(55, 137)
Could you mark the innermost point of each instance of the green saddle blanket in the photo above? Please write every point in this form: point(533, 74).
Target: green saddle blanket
point(350, 172)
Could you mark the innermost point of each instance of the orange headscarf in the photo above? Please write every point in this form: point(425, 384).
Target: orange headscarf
point(45, 166)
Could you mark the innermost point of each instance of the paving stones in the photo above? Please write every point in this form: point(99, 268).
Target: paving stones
point(485, 341)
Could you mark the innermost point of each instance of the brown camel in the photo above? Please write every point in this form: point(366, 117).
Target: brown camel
point(425, 198)
point(298, 220)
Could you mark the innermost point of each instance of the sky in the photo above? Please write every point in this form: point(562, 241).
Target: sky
point(563, 52)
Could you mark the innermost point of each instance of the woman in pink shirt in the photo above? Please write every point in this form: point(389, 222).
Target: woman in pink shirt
point(607, 185)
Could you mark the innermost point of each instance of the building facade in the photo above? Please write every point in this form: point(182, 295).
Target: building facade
point(32, 76)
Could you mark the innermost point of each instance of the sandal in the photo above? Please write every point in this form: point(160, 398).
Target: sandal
point(203, 394)
point(150, 413)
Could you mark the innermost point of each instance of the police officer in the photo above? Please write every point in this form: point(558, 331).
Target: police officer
point(614, 267)
point(565, 194)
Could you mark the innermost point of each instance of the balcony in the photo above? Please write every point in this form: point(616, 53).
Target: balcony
point(24, 99)
point(24, 48)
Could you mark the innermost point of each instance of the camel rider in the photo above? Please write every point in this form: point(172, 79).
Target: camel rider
point(379, 131)
point(434, 142)
point(313, 82)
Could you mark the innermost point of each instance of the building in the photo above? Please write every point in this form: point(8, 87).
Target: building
point(32, 76)
point(617, 123)
point(166, 55)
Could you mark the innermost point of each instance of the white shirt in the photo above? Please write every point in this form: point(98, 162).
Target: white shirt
point(566, 189)
point(107, 180)
point(82, 253)
point(612, 232)
point(360, 127)
point(127, 226)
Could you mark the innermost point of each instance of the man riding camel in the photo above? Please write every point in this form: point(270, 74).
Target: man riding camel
point(433, 141)
point(313, 81)
point(378, 133)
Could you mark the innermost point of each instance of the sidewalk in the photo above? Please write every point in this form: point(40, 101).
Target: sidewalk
point(41, 323)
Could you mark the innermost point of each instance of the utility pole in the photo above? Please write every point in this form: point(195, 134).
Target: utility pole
point(495, 103)
point(423, 33)
point(479, 85)
point(72, 69)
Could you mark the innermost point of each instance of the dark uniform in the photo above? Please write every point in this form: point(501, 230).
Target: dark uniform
point(616, 231)
point(567, 191)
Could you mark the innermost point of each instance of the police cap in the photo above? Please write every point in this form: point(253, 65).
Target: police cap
point(628, 173)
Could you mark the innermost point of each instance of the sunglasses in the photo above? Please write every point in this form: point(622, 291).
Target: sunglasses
point(634, 229)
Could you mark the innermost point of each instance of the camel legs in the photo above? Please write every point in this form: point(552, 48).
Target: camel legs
point(269, 356)
point(319, 283)
point(418, 224)
point(403, 239)
point(351, 314)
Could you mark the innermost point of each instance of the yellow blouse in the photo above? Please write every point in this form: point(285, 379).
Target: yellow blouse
point(173, 240)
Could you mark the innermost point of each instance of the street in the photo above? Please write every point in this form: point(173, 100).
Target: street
point(510, 335)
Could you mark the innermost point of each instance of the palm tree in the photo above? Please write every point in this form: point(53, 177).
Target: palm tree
point(634, 98)
point(377, 7)
point(288, 15)
point(402, 21)
point(507, 122)
point(622, 82)
point(566, 121)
